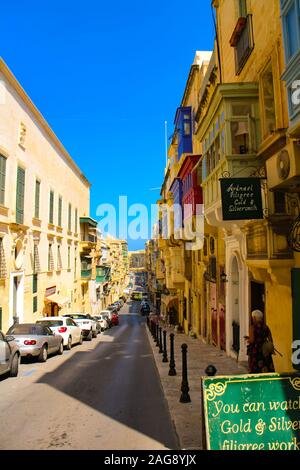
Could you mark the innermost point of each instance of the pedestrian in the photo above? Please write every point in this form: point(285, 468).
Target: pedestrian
point(260, 345)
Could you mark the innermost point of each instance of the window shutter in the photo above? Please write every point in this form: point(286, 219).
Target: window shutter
point(37, 200)
point(3, 272)
point(70, 218)
point(2, 179)
point(20, 196)
point(0, 318)
point(34, 283)
point(51, 207)
point(59, 211)
point(76, 220)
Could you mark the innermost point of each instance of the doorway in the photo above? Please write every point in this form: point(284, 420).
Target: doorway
point(235, 305)
point(16, 298)
point(257, 290)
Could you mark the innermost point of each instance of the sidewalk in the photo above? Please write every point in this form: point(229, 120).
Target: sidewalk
point(187, 417)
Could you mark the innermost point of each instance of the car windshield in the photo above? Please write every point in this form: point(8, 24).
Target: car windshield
point(26, 330)
point(50, 323)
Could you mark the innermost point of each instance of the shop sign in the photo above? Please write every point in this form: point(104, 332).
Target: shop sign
point(50, 291)
point(241, 198)
point(252, 412)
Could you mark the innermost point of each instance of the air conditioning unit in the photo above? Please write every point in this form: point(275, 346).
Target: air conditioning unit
point(283, 169)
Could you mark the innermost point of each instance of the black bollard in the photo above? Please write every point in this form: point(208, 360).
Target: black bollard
point(165, 353)
point(172, 370)
point(210, 370)
point(160, 341)
point(185, 397)
point(147, 321)
point(157, 335)
point(152, 328)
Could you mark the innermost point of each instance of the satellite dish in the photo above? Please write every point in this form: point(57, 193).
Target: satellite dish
point(283, 164)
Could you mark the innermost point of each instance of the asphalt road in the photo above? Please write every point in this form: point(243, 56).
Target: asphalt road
point(105, 394)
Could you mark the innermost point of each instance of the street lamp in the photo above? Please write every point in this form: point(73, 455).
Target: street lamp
point(224, 277)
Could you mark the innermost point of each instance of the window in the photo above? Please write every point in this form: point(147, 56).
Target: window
point(1, 336)
point(75, 264)
point(291, 28)
point(243, 44)
point(35, 304)
point(50, 258)
point(59, 260)
point(20, 195)
point(3, 272)
point(34, 283)
point(70, 218)
point(76, 220)
point(268, 101)
point(37, 199)
point(69, 257)
point(239, 137)
point(51, 207)
point(59, 221)
point(2, 179)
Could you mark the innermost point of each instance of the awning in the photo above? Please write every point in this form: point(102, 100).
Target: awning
point(57, 299)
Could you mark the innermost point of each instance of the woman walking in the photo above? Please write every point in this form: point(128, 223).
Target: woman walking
point(260, 345)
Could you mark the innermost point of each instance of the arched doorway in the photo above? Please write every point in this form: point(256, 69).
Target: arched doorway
point(235, 305)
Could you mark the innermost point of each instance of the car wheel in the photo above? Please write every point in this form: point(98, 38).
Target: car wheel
point(81, 339)
point(90, 336)
point(69, 345)
point(14, 366)
point(61, 348)
point(43, 354)
point(95, 334)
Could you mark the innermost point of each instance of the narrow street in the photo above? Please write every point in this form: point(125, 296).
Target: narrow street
point(105, 394)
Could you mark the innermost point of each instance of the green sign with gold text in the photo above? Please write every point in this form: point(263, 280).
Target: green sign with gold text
point(252, 412)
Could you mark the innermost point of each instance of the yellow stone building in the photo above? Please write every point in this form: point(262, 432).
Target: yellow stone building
point(43, 197)
point(242, 122)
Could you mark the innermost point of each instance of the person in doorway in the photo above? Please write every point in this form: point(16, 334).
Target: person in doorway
point(260, 345)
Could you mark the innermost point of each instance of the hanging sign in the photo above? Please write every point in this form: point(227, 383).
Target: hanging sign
point(241, 198)
point(252, 412)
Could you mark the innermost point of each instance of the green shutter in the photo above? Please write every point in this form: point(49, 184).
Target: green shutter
point(34, 283)
point(37, 200)
point(76, 220)
point(35, 304)
point(51, 207)
point(20, 195)
point(0, 318)
point(59, 211)
point(243, 8)
point(2, 179)
point(70, 218)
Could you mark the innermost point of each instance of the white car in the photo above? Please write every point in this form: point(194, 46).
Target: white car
point(65, 327)
point(103, 322)
point(87, 324)
point(108, 313)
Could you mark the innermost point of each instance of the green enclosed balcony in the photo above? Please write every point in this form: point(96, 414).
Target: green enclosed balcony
point(86, 273)
point(103, 274)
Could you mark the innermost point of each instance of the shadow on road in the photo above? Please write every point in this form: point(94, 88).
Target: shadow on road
point(119, 379)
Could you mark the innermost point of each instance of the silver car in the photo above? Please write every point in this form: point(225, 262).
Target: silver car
point(9, 356)
point(36, 340)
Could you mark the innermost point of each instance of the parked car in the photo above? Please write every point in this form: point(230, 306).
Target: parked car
point(115, 319)
point(145, 309)
point(98, 324)
point(103, 321)
point(124, 298)
point(117, 305)
point(87, 324)
point(65, 327)
point(112, 308)
point(121, 301)
point(9, 356)
point(36, 340)
point(107, 314)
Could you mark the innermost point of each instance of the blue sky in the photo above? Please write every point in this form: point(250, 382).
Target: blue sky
point(106, 75)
